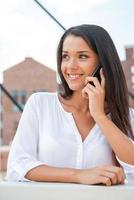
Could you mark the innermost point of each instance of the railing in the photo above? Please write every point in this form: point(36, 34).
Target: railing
point(64, 191)
point(10, 97)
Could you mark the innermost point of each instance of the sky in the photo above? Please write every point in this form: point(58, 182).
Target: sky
point(27, 31)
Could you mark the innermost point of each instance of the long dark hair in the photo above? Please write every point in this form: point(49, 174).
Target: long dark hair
point(116, 88)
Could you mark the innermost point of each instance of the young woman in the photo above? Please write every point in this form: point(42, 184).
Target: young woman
point(84, 132)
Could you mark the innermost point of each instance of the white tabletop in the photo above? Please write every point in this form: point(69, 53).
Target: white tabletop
point(64, 191)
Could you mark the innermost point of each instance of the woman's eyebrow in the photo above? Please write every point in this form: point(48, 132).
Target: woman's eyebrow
point(82, 51)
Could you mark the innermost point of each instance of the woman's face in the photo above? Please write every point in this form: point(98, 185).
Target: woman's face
point(78, 62)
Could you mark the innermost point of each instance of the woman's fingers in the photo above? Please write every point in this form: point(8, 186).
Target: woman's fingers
point(85, 92)
point(94, 80)
point(107, 175)
point(96, 88)
point(105, 180)
point(110, 175)
point(116, 174)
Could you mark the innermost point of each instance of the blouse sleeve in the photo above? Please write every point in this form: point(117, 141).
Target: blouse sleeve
point(23, 152)
point(129, 169)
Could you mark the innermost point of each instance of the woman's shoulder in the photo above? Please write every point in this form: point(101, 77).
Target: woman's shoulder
point(46, 95)
point(42, 98)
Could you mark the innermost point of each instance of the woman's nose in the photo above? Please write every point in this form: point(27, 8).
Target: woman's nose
point(72, 63)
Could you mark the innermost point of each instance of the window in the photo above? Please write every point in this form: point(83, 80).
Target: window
point(14, 94)
point(20, 98)
point(23, 96)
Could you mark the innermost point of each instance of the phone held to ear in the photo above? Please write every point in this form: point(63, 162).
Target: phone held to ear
point(96, 73)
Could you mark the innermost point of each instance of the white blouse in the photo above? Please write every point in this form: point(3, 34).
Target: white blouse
point(47, 134)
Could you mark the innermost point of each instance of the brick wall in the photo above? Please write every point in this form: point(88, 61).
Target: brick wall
point(29, 76)
point(127, 64)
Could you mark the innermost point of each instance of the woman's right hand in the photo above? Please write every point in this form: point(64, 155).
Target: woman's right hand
point(107, 175)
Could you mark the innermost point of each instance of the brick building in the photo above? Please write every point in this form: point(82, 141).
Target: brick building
point(21, 81)
point(128, 67)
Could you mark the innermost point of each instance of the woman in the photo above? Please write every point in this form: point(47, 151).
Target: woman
point(83, 133)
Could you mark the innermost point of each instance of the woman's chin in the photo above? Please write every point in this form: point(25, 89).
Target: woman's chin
point(75, 87)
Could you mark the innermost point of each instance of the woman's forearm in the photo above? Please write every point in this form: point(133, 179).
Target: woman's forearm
point(107, 175)
point(120, 143)
point(52, 174)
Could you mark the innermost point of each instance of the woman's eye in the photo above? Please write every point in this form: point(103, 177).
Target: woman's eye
point(83, 56)
point(65, 57)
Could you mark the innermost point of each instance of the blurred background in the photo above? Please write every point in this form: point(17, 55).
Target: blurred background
point(29, 35)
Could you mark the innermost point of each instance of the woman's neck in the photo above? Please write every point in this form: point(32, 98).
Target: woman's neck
point(76, 102)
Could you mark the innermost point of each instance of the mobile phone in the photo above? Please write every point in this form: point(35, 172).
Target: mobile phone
point(96, 73)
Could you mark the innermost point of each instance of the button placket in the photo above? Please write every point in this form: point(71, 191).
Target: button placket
point(79, 156)
point(79, 160)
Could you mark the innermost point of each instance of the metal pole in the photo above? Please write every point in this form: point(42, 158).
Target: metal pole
point(50, 14)
point(10, 97)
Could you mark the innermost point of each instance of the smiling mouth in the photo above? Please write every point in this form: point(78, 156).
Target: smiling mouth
point(74, 76)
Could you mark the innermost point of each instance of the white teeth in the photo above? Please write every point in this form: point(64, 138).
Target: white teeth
point(74, 76)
